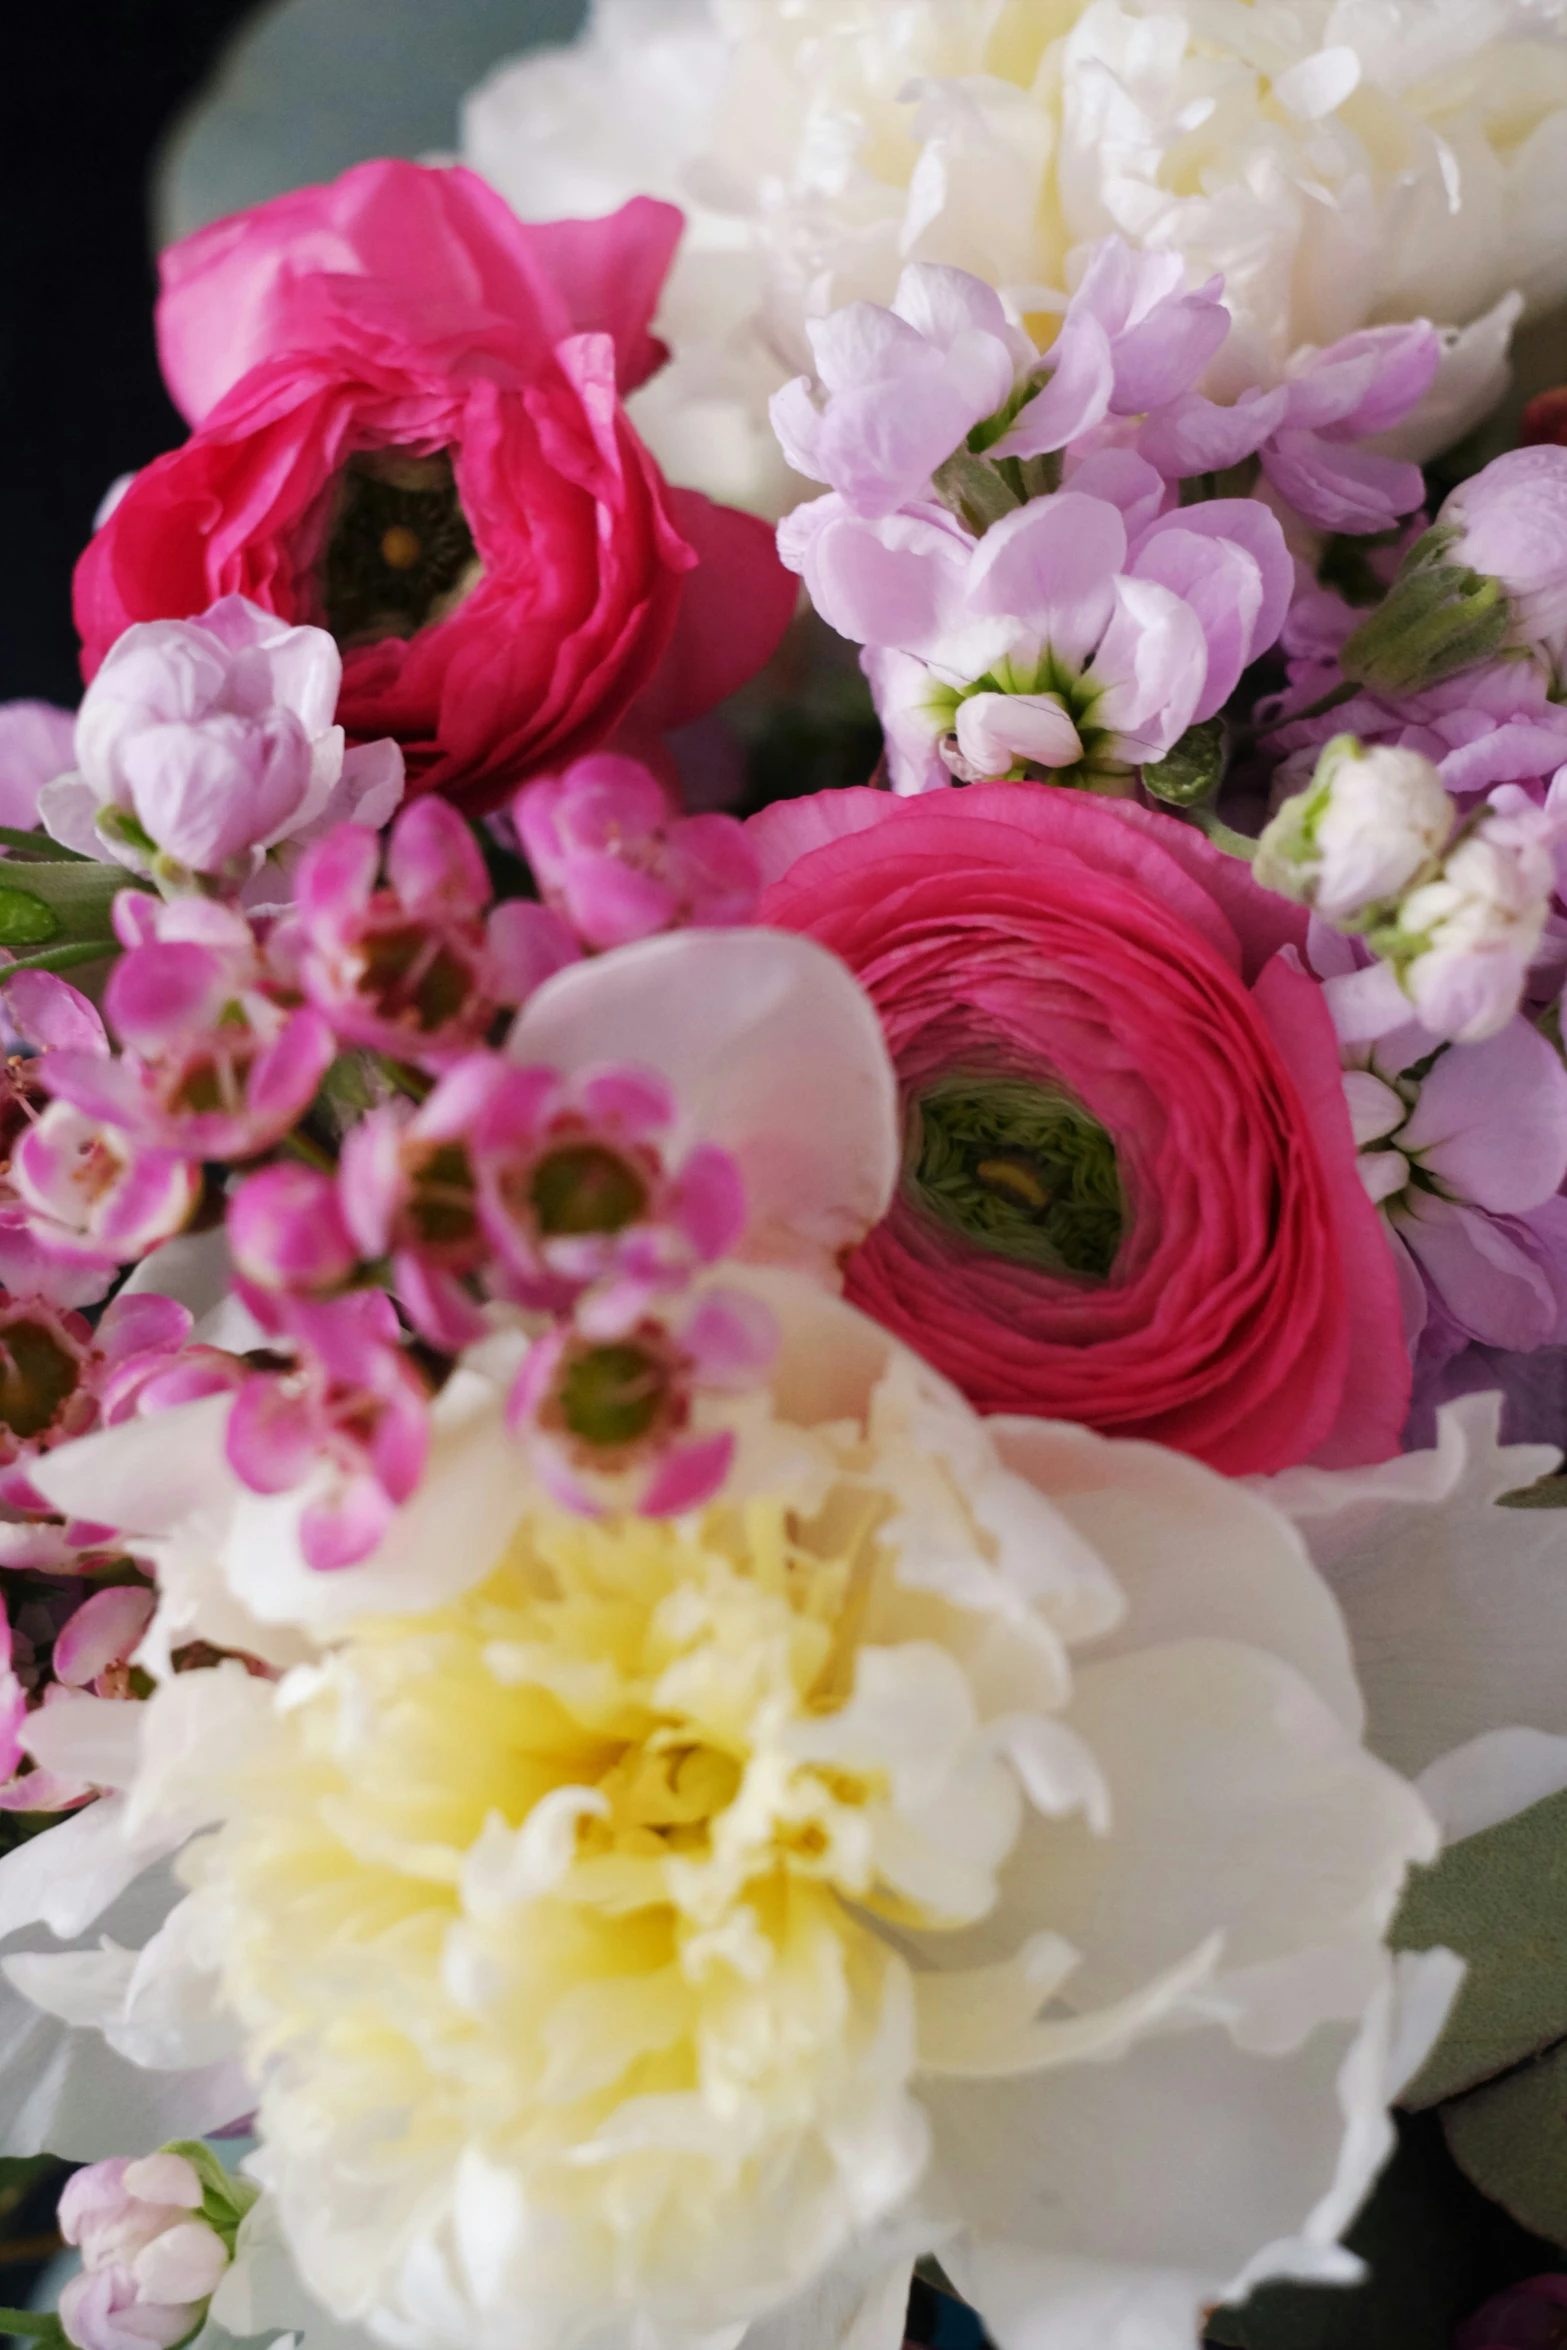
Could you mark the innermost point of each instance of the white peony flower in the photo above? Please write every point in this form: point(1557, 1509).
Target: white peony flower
point(958, 1835)
point(1342, 162)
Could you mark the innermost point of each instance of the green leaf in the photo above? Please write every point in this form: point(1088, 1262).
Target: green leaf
point(1500, 1900)
point(38, 2325)
point(20, 2170)
point(1546, 1493)
point(1511, 2138)
point(25, 920)
point(39, 844)
point(225, 2197)
point(1193, 770)
point(1433, 2251)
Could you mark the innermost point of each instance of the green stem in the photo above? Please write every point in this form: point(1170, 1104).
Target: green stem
point(65, 958)
point(42, 846)
point(300, 1146)
point(1222, 835)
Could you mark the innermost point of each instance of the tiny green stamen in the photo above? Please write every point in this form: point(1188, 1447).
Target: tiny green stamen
point(1020, 1169)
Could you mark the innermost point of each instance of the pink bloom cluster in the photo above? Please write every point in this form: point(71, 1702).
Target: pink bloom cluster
point(151, 2259)
point(1006, 535)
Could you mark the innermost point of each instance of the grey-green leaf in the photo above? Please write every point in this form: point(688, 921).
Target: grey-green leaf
point(1511, 2139)
point(1500, 1900)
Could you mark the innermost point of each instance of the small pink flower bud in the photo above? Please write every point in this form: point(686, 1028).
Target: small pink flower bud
point(286, 1230)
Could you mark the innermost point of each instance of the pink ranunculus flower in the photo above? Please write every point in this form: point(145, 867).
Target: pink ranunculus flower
point(615, 857)
point(1129, 1192)
point(1079, 638)
point(211, 741)
point(408, 429)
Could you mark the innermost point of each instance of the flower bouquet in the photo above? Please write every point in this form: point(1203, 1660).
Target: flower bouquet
point(780, 1472)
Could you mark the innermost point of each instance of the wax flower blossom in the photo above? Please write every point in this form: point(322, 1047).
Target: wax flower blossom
point(817, 1921)
point(1307, 153)
point(617, 860)
point(1079, 638)
point(203, 744)
point(420, 966)
point(1086, 1005)
point(407, 431)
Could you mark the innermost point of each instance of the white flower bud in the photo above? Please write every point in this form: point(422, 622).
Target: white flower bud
point(1371, 824)
point(1463, 943)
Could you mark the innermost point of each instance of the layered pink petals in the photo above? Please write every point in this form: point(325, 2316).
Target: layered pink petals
point(408, 311)
point(617, 861)
point(1250, 1315)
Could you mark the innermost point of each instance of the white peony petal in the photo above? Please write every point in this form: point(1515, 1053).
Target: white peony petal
point(771, 1049)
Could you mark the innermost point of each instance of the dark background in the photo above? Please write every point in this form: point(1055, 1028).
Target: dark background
point(87, 89)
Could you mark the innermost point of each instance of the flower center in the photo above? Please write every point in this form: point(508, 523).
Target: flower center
point(586, 1187)
point(614, 1394)
point(441, 1203)
point(1022, 1170)
point(38, 1376)
point(399, 552)
point(414, 976)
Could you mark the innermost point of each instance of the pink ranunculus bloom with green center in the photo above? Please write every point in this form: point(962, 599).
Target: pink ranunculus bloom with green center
point(416, 965)
point(1129, 1194)
point(1078, 639)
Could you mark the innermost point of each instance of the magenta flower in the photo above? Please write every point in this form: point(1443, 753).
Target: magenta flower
point(553, 1185)
point(1078, 638)
point(415, 968)
point(210, 741)
point(1530, 2316)
point(349, 1419)
point(286, 1230)
point(1307, 430)
point(94, 1197)
point(618, 861)
point(215, 1066)
point(618, 1412)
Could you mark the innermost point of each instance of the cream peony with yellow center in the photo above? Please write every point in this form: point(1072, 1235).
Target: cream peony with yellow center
point(957, 1836)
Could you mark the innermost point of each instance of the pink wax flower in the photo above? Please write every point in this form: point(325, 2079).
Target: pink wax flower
point(150, 2261)
point(617, 1408)
point(214, 1066)
point(1078, 638)
point(208, 742)
point(349, 1420)
point(1308, 429)
point(408, 431)
point(417, 967)
point(550, 1185)
point(1129, 1193)
point(906, 387)
point(617, 860)
point(286, 1230)
point(59, 1376)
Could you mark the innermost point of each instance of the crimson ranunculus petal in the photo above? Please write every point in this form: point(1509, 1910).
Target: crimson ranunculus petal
point(1246, 1307)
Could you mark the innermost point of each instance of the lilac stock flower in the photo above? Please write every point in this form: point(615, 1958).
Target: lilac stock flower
point(150, 2260)
point(1081, 635)
point(36, 744)
point(617, 860)
point(209, 741)
point(417, 967)
point(349, 1420)
point(1509, 523)
point(907, 387)
point(1307, 430)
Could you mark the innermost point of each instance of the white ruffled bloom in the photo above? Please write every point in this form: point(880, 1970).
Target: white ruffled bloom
point(1465, 940)
point(1370, 823)
point(1342, 162)
point(958, 1834)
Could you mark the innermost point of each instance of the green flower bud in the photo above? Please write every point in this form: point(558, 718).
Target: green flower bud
point(1437, 618)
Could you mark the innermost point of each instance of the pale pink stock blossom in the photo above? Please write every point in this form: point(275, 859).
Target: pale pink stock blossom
point(210, 741)
point(150, 2261)
point(617, 860)
point(905, 387)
